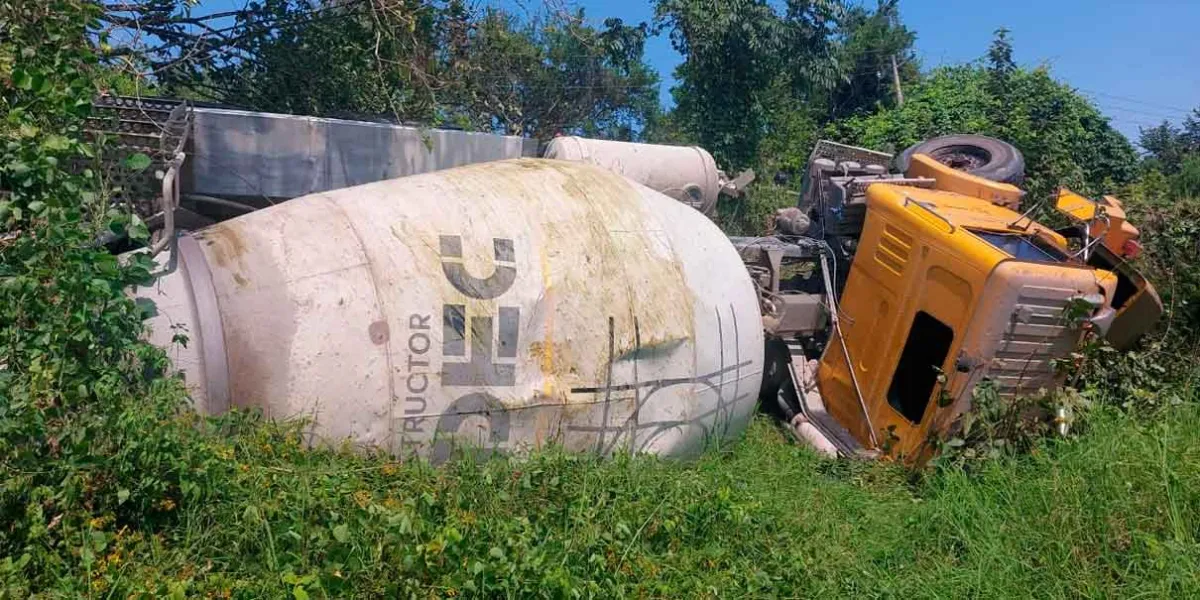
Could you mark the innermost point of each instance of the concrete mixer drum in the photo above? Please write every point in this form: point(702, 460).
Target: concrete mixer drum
point(503, 305)
point(686, 173)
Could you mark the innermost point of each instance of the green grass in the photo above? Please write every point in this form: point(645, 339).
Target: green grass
point(1114, 513)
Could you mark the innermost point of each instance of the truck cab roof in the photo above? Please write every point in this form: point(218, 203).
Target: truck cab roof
point(967, 212)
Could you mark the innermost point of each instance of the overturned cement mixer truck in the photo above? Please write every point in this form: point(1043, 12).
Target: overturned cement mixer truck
point(506, 305)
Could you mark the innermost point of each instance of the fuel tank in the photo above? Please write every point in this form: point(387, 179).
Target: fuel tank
point(686, 173)
point(500, 306)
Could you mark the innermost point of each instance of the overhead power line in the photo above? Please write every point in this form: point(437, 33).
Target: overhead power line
point(1157, 115)
point(1133, 122)
point(1186, 111)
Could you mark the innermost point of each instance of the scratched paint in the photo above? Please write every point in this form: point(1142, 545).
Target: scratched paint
point(500, 305)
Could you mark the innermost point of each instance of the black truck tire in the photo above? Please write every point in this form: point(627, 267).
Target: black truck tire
point(978, 155)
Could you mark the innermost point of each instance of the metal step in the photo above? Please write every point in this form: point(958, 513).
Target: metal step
point(812, 407)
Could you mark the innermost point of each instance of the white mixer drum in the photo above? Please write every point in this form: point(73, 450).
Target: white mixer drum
point(502, 305)
point(686, 173)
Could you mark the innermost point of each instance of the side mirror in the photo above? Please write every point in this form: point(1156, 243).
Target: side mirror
point(1104, 220)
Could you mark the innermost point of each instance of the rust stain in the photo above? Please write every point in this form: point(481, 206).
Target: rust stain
point(379, 332)
point(226, 242)
point(557, 355)
point(547, 348)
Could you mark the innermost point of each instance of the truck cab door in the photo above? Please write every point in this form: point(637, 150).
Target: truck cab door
point(921, 366)
point(904, 309)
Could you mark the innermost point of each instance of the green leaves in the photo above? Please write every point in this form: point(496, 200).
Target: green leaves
point(22, 80)
point(251, 515)
point(137, 162)
point(137, 229)
point(1064, 138)
point(732, 56)
point(56, 143)
point(435, 63)
point(83, 415)
point(341, 533)
point(125, 224)
point(759, 78)
point(299, 583)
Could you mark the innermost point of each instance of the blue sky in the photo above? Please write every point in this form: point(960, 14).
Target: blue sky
point(1139, 61)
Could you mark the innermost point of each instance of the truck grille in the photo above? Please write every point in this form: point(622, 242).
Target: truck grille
point(1036, 335)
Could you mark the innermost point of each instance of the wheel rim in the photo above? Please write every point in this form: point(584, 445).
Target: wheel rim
point(962, 158)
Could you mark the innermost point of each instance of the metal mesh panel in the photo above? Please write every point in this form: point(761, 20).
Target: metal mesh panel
point(841, 153)
point(155, 127)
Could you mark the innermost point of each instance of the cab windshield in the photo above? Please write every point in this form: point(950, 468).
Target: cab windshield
point(1023, 246)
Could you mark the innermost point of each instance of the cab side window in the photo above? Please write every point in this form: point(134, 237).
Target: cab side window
point(921, 360)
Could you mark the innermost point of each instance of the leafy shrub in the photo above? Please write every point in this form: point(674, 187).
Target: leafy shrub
point(752, 214)
point(1065, 139)
point(1000, 427)
point(1160, 371)
point(88, 433)
point(1186, 183)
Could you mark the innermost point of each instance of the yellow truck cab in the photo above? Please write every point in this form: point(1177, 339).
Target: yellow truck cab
point(945, 284)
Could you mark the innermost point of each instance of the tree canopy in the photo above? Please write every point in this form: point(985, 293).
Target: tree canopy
point(1065, 139)
point(426, 61)
point(1174, 151)
point(751, 70)
point(760, 81)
